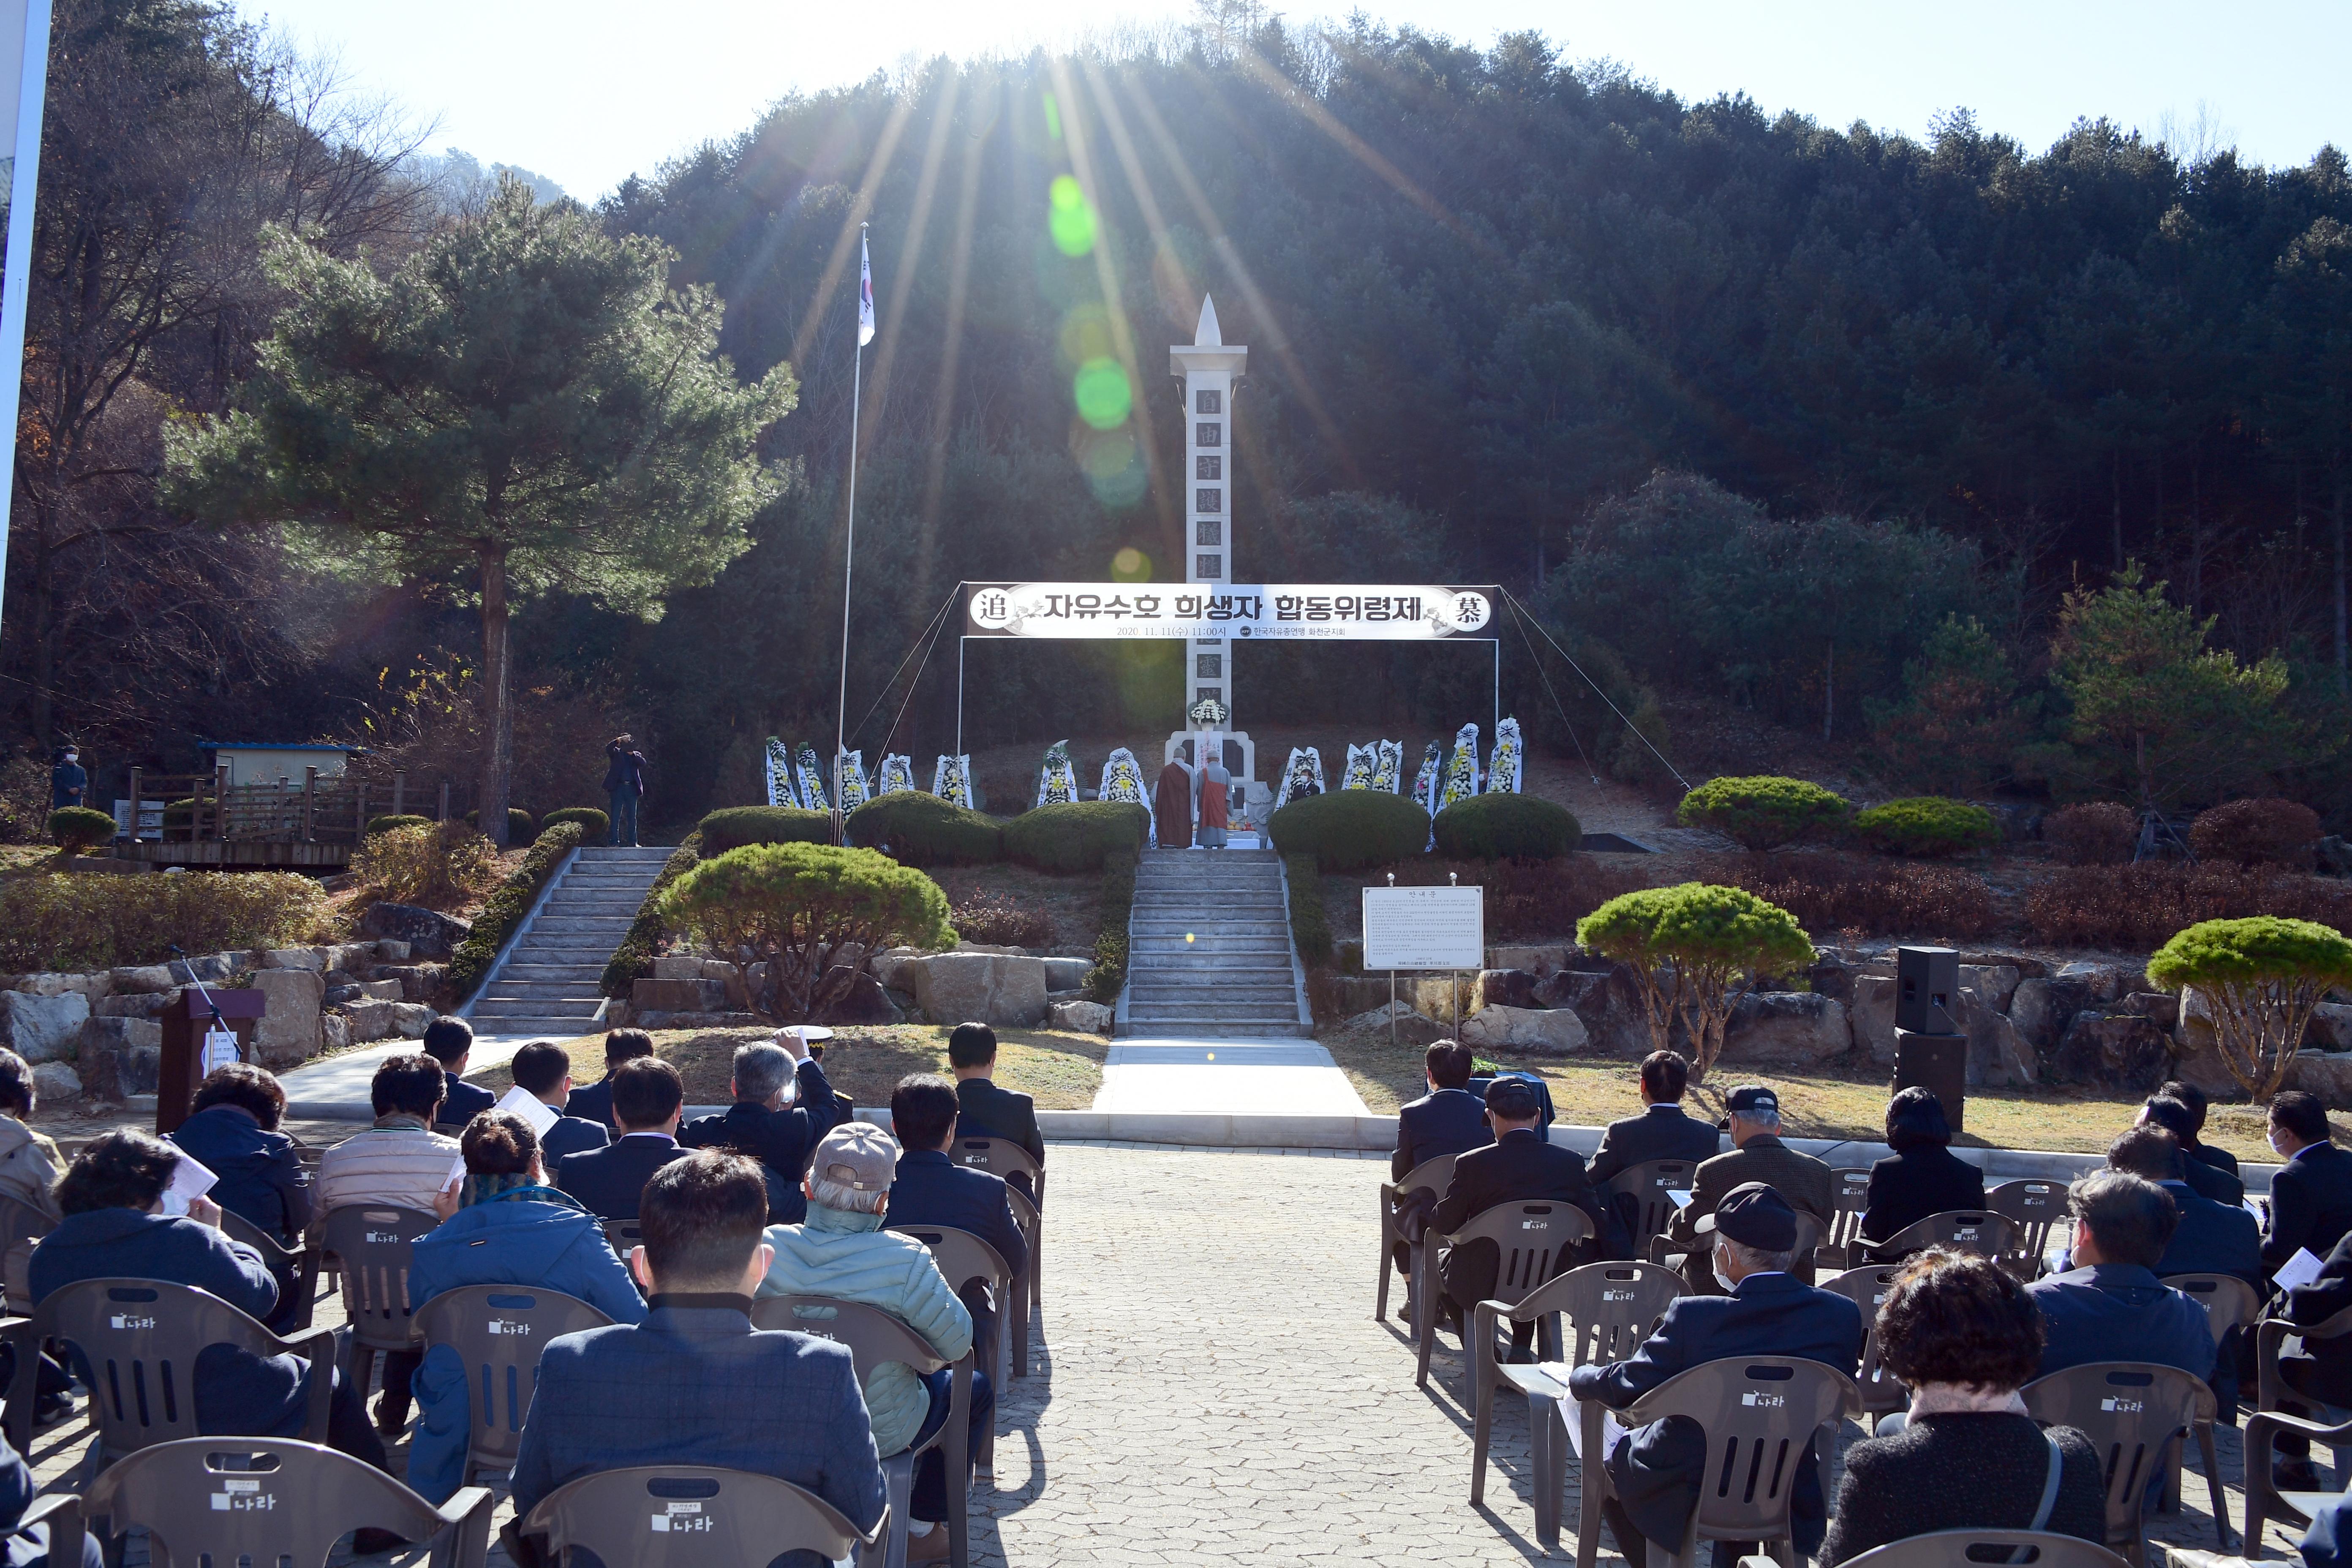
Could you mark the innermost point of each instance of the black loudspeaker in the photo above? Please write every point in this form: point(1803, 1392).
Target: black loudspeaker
point(1926, 980)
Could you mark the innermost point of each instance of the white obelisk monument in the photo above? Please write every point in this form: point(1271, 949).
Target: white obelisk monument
point(1209, 366)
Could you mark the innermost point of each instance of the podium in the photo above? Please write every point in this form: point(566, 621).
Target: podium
point(184, 1023)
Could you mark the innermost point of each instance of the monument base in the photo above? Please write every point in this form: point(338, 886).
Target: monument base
point(1241, 761)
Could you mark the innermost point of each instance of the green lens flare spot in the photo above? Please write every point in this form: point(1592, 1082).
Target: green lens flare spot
point(1070, 217)
point(1052, 118)
point(1102, 393)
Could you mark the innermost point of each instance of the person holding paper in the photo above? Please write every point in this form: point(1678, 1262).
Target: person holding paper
point(543, 1091)
point(782, 1106)
point(2311, 1195)
point(2111, 1302)
point(512, 1229)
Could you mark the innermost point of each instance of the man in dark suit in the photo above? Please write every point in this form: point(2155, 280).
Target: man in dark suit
point(1663, 1132)
point(594, 1102)
point(2111, 1300)
point(2211, 1238)
point(544, 1071)
point(780, 1133)
point(1657, 1469)
point(1522, 1166)
point(1448, 1119)
point(450, 1042)
point(1756, 1156)
point(930, 1189)
point(2311, 1195)
point(646, 1097)
point(2206, 1180)
point(988, 1111)
point(2322, 1369)
point(696, 1383)
point(2194, 1146)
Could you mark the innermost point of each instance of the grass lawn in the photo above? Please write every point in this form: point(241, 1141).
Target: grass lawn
point(1061, 1071)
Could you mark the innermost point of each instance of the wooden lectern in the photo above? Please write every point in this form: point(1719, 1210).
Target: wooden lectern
point(184, 1023)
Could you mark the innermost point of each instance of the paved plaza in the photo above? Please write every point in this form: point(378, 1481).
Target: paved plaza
point(1211, 1388)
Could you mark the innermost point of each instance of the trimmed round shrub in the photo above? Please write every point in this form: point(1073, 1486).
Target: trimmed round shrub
point(594, 826)
point(2257, 833)
point(2095, 833)
point(521, 829)
point(1695, 950)
point(917, 828)
point(1349, 829)
point(1764, 812)
point(387, 823)
point(1075, 837)
point(2261, 977)
point(1927, 826)
point(1504, 827)
point(74, 828)
point(737, 825)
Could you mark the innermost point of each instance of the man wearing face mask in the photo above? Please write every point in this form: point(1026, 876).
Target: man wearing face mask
point(1767, 1310)
point(2311, 1195)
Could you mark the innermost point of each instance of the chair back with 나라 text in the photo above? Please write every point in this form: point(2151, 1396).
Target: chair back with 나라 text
point(677, 1516)
point(1867, 1287)
point(1432, 1176)
point(1533, 1236)
point(296, 1267)
point(1004, 1158)
point(373, 1245)
point(1646, 1193)
point(1985, 1232)
point(2133, 1413)
point(962, 1258)
point(498, 1331)
point(1975, 1548)
point(2034, 1207)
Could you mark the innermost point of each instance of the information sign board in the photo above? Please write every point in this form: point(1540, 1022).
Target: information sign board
point(1424, 928)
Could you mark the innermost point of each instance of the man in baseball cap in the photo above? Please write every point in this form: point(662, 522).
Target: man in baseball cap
point(1768, 1311)
point(1752, 1117)
point(841, 1251)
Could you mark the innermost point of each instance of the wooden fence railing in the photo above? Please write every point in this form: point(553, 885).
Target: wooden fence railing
point(311, 810)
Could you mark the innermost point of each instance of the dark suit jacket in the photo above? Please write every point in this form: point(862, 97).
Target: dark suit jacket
point(1520, 1166)
point(782, 1141)
point(1448, 1121)
point(2119, 1311)
point(610, 1180)
point(594, 1102)
point(1660, 1132)
point(461, 1103)
point(931, 1189)
point(2208, 1180)
point(1804, 1181)
point(1911, 1183)
point(2213, 1238)
point(2323, 1369)
point(572, 1135)
point(1657, 1469)
point(696, 1385)
point(2220, 1159)
point(985, 1110)
point(2311, 1203)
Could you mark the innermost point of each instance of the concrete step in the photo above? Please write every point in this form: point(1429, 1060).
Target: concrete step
point(519, 970)
point(1208, 925)
point(597, 925)
point(538, 1029)
point(1280, 1021)
point(1207, 978)
point(1267, 999)
point(579, 1016)
point(504, 989)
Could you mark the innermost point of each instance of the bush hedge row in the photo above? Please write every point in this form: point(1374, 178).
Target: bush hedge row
point(736, 826)
point(387, 823)
point(1349, 829)
point(1310, 923)
point(1505, 827)
point(76, 924)
point(1763, 811)
point(593, 823)
point(1928, 826)
point(505, 909)
point(1108, 976)
point(918, 828)
point(1081, 836)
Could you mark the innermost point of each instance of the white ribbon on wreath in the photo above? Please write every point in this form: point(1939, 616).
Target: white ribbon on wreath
point(952, 780)
point(1503, 771)
point(776, 763)
point(1462, 773)
point(897, 774)
point(810, 774)
point(1388, 770)
point(1425, 781)
point(1122, 780)
point(1057, 782)
point(1361, 759)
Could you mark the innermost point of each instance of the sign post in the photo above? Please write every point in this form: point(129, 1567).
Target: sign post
point(1424, 929)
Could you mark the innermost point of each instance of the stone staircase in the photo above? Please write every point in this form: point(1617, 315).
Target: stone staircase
point(1236, 977)
point(548, 985)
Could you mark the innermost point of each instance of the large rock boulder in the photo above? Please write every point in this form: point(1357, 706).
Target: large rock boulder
point(418, 982)
point(1083, 1017)
point(1802, 1028)
point(2160, 1006)
point(679, 996)
point(1832, 975)
point(311, 958)
point(288, 1030)
point(1998, 1055)
point(2330, 1029)
point(135, 1005)
point(979, 987)
point(54, 1082)
point(1871, 1014)
point(1994, 983)
point(1505, 988)
point(1538, 1031)
point(428, 932)
point(1067, 974)
point(2327, 1074)
point(43, 1028)
point(678, 967)
point(1609, 1005)
point(51, 983)
point(2107, 982)
point(118, 1074)
point(2114, 1050)
point(2043, 1009)
point(1537, 961)
point(141, 979)
point(108, 1034)
point(334, 1032)
point(862, 999)
point(1412, 1028)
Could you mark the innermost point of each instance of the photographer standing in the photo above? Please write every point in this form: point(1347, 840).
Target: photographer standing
point(625, 784)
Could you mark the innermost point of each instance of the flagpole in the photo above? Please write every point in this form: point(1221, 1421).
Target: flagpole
point(849, 552)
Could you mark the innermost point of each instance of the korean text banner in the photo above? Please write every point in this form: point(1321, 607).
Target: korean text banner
point(1256, 611)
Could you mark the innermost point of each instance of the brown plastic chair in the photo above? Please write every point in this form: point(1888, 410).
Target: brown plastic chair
point(698, 1518)
point(875, 1338)
point(1976, 1548)
point(1866, 1288)
point(371, 1245)
point(1608, 1308)
point(962, 1256)
point(2266, 1500)
point(2230, 1304)
point(1985, 1232)
point(498, 1332)
point(141, 1338)
point(1648, 1185)
point(1849, 1196)
point(268, 1499)
point(625, 1236)
point(1759, 1412)
point(1533, 1236)
point(1698, 1272)
point(297, 1266)
point(1002, 1157)
point(1025, 1215)
point(2132, 1412)
point(2034, 1207)
point(1432, 1175)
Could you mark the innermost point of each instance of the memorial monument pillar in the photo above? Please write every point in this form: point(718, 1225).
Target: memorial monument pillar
point(1209, 367)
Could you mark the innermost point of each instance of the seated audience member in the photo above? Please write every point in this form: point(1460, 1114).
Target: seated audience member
point(2311, 1195)
point(2112, 1298)
point(511, 1229)
point(30, 1163)
point(990, 1111)
point(1448, 1119)
point(696, 1383)
point(782, 1106)
point(2210, 1238)
point(594, 1101)
point(648, 1094)
point(842, 1252)
point(1963, 1336)
point(1923, 1176)
point(931, 1189)
point(1520, 1166)
point(1757, 1154)
point(1663, 1132)
point(1768, 1311)
point(18, 1492)
point(2208, 1180)
point(450, 1042)
point(2322, 1369)
point(233, 1134)
point(2194, 1146)
point(399, 1162)
point(543, 1070)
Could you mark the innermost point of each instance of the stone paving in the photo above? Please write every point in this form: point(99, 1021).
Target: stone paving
point(1209, 1387)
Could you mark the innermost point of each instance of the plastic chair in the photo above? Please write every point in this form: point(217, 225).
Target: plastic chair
point(498, 1332)
point(1025, 1215)
point(372, 1246)
point(2265, 1499)
point(2132, 1412)
point(1985, 1232)
point(1759, 1412)
point(2230, 1304)
point(875, 1338)
point(1848, 1199)
point(1976, 1548)
point(963, 1257)
point(1533, 1236)
point(21, 1224)
point(1002, 1157)
point(1434, 1175)
point(624, 1237)
point(675, 1516)
point(1610, 1309)
point(264, 1500)
point(1867, 1289)
point(141, 1338)
point(1648, 1185)
point(297, 1266)
point(2034, 1207)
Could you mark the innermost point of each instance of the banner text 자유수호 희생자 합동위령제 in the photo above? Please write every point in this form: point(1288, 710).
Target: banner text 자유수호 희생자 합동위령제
point(1267, 610)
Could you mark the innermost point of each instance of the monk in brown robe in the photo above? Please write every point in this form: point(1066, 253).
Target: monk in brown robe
point(1172, 807)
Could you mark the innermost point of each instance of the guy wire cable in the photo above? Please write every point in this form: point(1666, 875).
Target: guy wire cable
point(896, 719)
point(937, 617)
point(1556, 706)
point(1596, 687)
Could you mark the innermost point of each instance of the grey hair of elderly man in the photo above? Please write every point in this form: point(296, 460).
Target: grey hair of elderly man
point(763, 1073)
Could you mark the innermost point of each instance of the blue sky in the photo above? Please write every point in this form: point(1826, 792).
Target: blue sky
point(590, 90)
